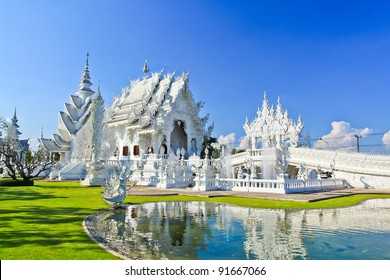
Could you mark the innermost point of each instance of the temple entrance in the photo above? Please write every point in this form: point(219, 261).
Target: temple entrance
point(163, 149)
point(178, 136)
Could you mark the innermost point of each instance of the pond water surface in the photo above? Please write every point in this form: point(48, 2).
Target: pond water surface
point(204, 230)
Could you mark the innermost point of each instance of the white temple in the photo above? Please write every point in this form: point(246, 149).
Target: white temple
point(154, 128)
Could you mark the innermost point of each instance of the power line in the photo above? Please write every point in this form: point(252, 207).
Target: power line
point(349, 134)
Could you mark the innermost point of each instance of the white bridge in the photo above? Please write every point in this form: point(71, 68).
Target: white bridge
point(359, 170)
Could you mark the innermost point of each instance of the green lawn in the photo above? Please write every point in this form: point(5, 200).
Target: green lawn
point(45, 221)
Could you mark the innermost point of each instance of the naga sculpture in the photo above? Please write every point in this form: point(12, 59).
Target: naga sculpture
point(115, 188)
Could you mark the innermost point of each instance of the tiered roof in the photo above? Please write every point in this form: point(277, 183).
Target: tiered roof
point(14, 124)
point(74, 116)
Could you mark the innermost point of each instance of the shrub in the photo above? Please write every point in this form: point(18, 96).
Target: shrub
point(14, 183)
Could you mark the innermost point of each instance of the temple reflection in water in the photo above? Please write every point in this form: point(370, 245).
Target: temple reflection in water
point(202, 230)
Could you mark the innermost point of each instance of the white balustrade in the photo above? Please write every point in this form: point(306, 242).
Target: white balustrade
point(280, 186)
point(110, 162)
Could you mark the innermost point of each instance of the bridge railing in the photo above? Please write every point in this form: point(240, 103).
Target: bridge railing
point(361, 163)
point(251, 185)
point(280, 186)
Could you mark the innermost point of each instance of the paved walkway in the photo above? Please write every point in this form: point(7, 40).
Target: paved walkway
point(304, 197)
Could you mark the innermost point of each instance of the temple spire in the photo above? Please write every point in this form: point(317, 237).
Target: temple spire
point(279, 108)
point(265, 107)
point(86, 62)
point(14, 125)
point(14, 120)
point(85, 82)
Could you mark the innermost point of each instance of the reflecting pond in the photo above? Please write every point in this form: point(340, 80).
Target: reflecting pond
point(204, 230)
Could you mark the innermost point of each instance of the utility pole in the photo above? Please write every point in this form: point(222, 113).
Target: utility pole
point(357, 142)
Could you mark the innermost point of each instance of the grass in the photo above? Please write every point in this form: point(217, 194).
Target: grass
point(45, 221)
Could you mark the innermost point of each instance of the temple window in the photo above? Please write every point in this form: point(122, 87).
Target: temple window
point(136, 150)
point(125, 151)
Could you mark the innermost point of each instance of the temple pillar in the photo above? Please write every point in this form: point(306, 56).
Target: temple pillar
point(169, 149)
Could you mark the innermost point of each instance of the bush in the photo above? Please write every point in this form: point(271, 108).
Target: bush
point(13, 183)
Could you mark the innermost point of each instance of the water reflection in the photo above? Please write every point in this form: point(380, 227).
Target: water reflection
point(202, 230)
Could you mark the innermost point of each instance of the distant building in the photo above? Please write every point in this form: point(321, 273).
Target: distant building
point(14, 133)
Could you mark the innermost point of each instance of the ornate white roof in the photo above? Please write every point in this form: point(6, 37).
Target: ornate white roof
point(147, 102)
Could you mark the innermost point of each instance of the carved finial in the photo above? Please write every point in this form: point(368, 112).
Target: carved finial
point(145, 69)
point(162, 70)
point(265, 106)
point(186, 76)
point(42, 132)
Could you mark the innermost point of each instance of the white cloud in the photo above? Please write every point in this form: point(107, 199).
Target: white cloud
point(342, 136)
point(386, 139)
point(244, 143)
point(226, 140)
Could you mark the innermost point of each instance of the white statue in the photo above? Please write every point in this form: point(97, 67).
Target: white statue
point(114, 188)
point(194, 148)
point(301, 172)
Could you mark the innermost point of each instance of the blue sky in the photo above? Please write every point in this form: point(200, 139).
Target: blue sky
point(327, 60)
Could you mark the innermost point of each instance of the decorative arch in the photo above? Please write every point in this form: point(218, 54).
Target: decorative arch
point(313, 174)
point(179, 136)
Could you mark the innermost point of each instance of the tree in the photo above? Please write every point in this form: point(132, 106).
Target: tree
point(306, 141)
point(17, 158)
point(208, 143)
point(8, 147)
